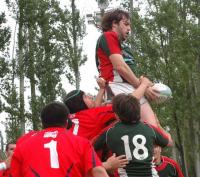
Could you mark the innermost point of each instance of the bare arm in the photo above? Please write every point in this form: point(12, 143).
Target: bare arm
point(99, 98)
point(140, 91)
point(170, 143)
point(123, 69)
point(99, 172)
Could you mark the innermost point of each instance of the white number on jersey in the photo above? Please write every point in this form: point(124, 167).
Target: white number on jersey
point(52, 146)
point(140, 152)
point(76, 126)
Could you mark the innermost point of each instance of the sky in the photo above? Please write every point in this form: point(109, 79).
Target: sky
point(89, 70)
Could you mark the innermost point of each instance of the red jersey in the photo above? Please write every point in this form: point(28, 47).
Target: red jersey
point(54, 152)
point(26, 136)
point(90, 122)
point(5, 173)
point(108, 44)
point(169, 167)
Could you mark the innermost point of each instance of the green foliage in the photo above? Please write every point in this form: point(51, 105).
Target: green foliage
point(49, 47)
point(73, 29)
point(3, 67)
point(4, 32)
point(12, 109)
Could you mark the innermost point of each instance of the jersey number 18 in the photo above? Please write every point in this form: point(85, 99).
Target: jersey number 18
point(140, 152)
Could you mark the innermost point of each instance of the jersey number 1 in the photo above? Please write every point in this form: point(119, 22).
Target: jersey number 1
point(52, 146)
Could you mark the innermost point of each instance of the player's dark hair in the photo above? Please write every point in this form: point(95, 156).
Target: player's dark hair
point(74, 101)
point(11, 142)
point(54, 114)
point(115, 16)
point(127, 108)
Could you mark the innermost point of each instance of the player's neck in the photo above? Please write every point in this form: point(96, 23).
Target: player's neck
point(158, 161)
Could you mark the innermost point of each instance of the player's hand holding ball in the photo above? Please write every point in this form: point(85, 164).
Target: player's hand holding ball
point(145, 81)
point(150, 94)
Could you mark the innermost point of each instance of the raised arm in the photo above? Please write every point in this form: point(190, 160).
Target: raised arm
point(99, 98)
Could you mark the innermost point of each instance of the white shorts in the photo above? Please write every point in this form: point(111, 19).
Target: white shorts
point(115, 88)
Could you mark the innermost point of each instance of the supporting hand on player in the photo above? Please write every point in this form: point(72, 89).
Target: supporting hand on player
point(145, 81)
point(114, 162)
point(101, 82)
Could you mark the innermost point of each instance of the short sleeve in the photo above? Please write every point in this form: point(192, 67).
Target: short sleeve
point(90, 158)
point(109, 43)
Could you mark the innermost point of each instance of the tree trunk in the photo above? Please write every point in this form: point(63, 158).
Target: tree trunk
point(75, 52)
point(31, 74)
point(196, 150)
point(180, 146)
point(21, 67)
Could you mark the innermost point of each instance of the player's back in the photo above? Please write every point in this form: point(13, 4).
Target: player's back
point(54, 152)
point(136, 142)
point(88, 123)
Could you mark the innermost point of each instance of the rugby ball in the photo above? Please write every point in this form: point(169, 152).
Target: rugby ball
point(164, 92)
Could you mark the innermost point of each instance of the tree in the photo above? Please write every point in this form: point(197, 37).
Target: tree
point(72, 44)
point(167, 50)
point(4, 33)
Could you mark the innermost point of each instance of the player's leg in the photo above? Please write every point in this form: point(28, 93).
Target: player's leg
point(147, 114)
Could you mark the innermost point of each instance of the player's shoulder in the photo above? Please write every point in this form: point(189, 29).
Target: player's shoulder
point(150, 126)
point(108, 34)
point(96, 110)
point(78, 141)
point(26, 136)
point(117, 127)
point(169, 160)
point(145, 125)
point(149, 129)
point(102, 108)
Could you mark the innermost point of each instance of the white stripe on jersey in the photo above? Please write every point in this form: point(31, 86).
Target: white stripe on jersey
point(153, 170)
point(122, 172)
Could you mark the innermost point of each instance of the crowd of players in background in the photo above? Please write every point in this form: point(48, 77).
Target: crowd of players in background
point(116, 136)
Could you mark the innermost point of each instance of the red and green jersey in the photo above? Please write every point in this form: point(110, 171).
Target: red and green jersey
point(54, 152)
point(169, 168)
point(136, 142)
point(108, 44)
point(90, 122)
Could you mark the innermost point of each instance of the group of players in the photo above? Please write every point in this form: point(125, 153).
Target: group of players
point(87, 137)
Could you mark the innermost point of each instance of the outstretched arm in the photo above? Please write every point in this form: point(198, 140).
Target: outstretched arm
point(99, 172)
point(99, 98)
